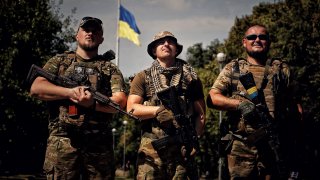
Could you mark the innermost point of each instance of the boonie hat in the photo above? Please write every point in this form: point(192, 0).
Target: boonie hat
point(91, 22)
point(159, 36)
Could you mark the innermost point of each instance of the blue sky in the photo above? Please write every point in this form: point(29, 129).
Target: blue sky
point(191, 21)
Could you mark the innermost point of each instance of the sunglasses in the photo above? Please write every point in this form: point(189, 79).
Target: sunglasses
point(168, 39)
point(260, 36)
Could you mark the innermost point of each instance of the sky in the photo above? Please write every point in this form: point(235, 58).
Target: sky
point(191, 21)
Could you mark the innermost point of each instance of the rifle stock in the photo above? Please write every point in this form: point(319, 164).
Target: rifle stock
point(36, 71)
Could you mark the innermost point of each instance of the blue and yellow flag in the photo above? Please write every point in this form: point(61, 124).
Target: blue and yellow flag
point(128, 27)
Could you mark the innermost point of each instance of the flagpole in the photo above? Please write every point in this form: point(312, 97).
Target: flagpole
point(118, 39)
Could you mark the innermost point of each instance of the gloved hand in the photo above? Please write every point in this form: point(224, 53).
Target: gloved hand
point(248, 110)
point(164, 116)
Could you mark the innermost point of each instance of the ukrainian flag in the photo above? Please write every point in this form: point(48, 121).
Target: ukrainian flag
point(127, 26)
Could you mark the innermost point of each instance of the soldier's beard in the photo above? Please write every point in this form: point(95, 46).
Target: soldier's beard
point(258, 55)
point(89, 47)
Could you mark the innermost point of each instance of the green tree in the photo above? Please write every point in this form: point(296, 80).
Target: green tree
point(30, 32)
point(204, 61)
point(198, 57)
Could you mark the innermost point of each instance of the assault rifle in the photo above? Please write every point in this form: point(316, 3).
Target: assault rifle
point(185, 134)
point(36, 71)
point(266, 122)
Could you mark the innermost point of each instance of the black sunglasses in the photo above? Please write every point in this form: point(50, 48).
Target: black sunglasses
point(169, 39)
point(260, 36)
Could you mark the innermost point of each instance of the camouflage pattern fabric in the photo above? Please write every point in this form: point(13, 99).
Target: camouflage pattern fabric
point(245, 161)
point(64, 161)
point(169, 166)
point(80, 146)
point(149, 172)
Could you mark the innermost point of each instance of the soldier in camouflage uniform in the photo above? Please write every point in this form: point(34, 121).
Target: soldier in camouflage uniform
point(227, 93)
point(80, 138)
point(157, 121)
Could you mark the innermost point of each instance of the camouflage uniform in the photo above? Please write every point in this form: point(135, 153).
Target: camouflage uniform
point(244, 160)
point(168, 164)
point(80, 142)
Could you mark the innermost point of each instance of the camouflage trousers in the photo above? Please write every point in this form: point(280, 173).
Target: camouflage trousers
point(147, 171)
point(249, 163)
point(63, 161)
point(151, 166)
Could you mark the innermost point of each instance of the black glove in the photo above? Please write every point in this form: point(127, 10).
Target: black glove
point(164, 116)
point(248, 110)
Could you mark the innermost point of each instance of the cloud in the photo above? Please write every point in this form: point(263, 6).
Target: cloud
point(191, 24)
point(176, 5)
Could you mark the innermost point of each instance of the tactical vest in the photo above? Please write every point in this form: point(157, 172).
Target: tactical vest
point(182, 90)
point(151, 98)
point(93, 73)
point(271, 79)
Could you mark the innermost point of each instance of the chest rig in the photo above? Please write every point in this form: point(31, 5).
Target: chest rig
point(181, 80)
point(95, 73)
point(271, 80)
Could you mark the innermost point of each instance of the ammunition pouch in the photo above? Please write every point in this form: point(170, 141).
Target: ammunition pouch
point(249, 139)
point(256, 136)
point(89, 133)
point(168, 147)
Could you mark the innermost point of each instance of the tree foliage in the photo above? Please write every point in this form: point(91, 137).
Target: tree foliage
point(30, 32)
point(199, 57)
point(204, 61)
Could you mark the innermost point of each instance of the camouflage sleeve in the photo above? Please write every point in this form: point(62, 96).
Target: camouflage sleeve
point(117, 80)
point(223, 82)
point(52, 65)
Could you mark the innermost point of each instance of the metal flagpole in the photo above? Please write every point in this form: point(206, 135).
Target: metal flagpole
point(118, 40)
point(124, 146)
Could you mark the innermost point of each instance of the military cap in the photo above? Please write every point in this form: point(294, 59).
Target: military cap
point(91, 22)
point(159, 36)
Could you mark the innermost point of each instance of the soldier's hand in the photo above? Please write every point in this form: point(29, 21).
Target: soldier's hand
point(247, 109)
point(74, 94)
point(81, 96)
point(164, 116)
